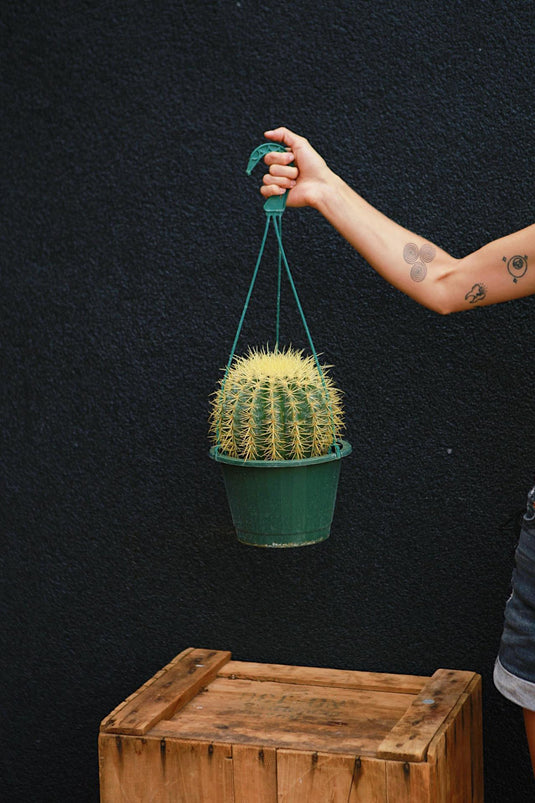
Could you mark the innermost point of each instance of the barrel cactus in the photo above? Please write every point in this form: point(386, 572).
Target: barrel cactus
point(276, 405)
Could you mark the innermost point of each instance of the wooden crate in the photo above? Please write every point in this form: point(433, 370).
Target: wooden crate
point(206, 729)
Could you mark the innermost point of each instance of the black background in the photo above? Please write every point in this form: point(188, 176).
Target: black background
point(128, 236)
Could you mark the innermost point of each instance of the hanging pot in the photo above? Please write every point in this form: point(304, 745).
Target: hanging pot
point(282, 503)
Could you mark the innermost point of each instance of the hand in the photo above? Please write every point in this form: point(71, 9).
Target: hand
point(304, 180)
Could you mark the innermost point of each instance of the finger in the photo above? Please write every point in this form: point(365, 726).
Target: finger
point(271, 189)
point(279, 158)
point(278, 181)
point(283, 170)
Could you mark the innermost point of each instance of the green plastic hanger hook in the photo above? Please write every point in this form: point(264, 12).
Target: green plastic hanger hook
point(277, 203)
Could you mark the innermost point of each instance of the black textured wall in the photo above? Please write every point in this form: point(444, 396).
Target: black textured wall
point(128, 235)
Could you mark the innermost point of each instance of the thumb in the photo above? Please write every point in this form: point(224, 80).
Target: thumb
point(282, 135)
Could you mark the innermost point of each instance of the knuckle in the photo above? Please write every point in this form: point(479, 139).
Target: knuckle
point(273, 157)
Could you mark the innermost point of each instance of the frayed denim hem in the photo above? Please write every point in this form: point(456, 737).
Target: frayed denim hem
point(515, 689)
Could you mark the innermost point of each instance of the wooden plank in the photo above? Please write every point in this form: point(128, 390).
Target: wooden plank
point(314, 718)
point(313, 777)
point(476, 739)
point(139, 770)
point(408, 783)
point(116, 711)
point(255, 774)
point(440, 771)
point(456, 774)
point(369, 781)
point(166, 692)
point(410, 737)
point(455, 755)
point(198, 773)
point(336, 678)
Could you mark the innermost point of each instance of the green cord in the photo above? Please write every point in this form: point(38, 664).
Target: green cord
point(307, 330)
point(277, 225)
point(279, 278)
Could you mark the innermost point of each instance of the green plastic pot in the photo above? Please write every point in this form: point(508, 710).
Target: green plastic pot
point(282, 503)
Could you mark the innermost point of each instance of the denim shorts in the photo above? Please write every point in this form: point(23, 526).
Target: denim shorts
point(514, 671)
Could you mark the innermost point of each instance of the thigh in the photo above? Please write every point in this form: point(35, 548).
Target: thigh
point(529, 721)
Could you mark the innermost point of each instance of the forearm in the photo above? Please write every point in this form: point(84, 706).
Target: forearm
point(498, 271)
point(414, 265)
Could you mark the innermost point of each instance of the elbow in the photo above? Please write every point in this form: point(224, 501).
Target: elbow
point(443, 298)
point(440, 303)
point(444, 308)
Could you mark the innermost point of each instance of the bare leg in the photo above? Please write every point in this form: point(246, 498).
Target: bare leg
point(529, 721)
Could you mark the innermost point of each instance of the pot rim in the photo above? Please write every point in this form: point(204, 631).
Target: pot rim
point(345, 449)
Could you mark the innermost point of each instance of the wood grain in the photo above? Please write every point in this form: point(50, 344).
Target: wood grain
point(139, 770)
point(313, 776)
point(315, 718)
point(166, 693)
point(334, 678)
point(410, 737)
point(255, 774)
point(455, 754)
point(408, 782)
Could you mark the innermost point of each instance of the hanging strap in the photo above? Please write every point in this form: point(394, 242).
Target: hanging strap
point(274, 208)
point(277, 221)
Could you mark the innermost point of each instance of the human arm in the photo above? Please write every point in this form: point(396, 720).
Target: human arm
point(499, 271)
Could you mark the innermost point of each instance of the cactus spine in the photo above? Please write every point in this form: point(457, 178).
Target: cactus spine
point(275, 405)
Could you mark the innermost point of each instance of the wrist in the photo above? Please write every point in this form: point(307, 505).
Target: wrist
point(327, 192)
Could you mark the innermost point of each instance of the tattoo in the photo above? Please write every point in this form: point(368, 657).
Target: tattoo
point(419, 258)
point(477, 293)
point(427, 252)
point(411, 252)
point(418, 272)
point(516, 266)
